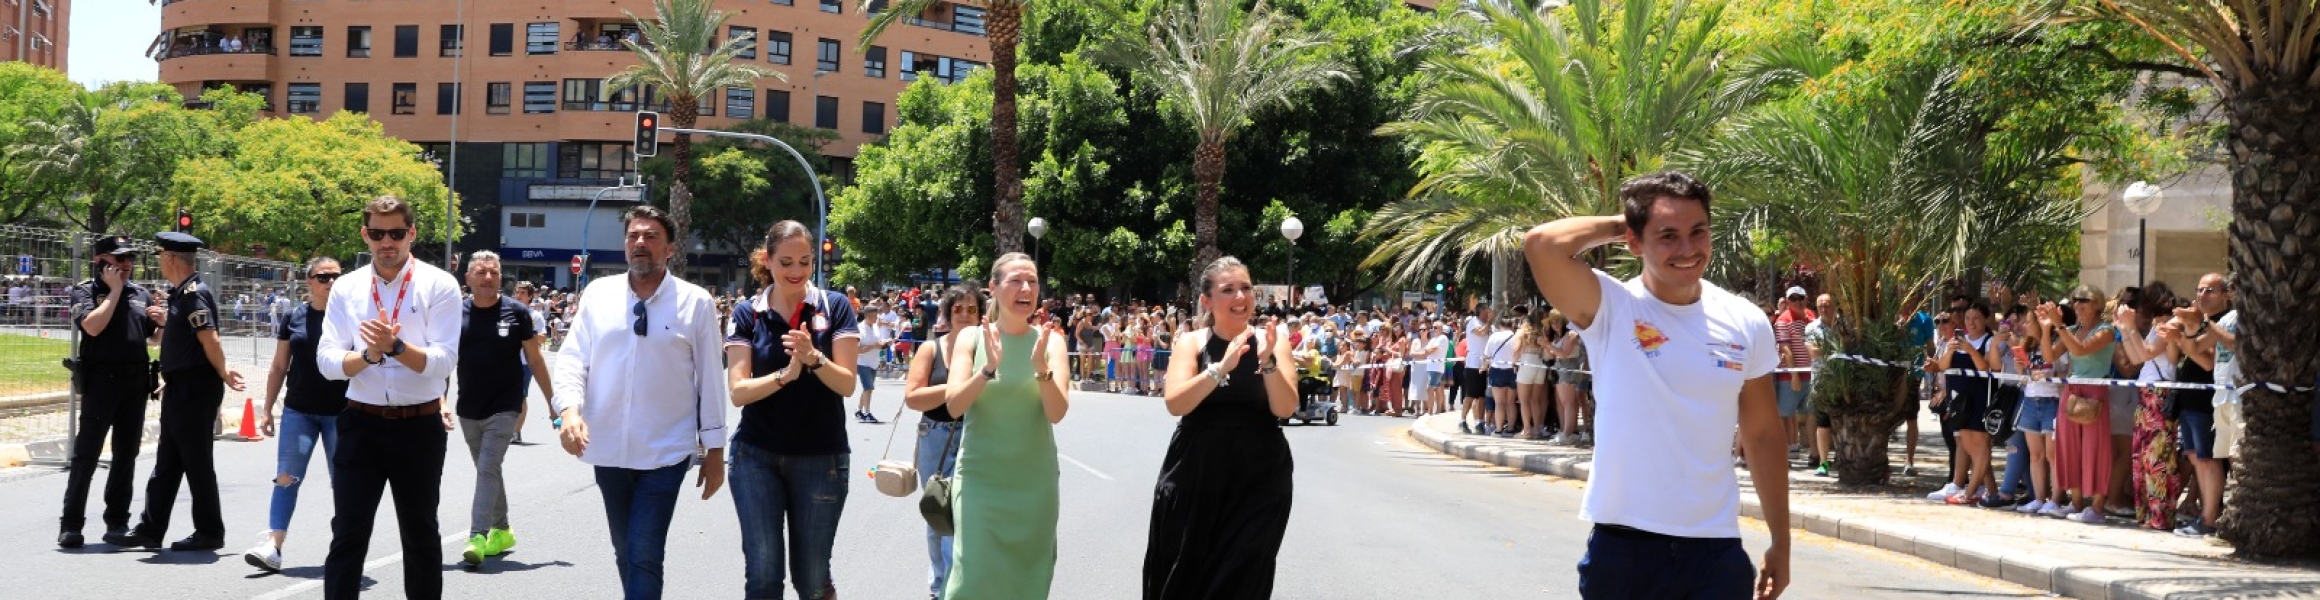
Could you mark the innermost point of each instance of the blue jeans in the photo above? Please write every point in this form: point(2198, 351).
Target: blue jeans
point(804, 492)
point(298, 432)
point(937, 455)
point(638, 506)
point(2017, 478)
point(1625, 563)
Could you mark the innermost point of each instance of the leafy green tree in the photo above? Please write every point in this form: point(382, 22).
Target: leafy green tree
point(681, 59)
point(111, 151)
point(28, 93)
point(297, 186)
point(1216, 65)
point(1003, 26)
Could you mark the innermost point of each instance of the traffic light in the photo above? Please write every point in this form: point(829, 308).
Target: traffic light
point(829, 251)
point(184, 221)
point(648, 133)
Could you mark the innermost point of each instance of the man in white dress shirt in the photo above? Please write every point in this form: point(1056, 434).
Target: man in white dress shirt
point(393, 330)
point(640, 385)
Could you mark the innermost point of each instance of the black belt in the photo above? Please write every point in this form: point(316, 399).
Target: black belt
point(1623, 531)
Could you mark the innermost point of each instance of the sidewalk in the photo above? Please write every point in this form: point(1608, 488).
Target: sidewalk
point(2090, 562)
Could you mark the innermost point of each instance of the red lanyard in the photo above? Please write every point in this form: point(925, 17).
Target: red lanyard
point(797, 316)
point(397, 316)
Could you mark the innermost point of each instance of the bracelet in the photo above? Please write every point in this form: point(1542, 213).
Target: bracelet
point(1215, 372)
point(1043, 376)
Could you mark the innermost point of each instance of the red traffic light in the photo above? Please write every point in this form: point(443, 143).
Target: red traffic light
point(184, 221)
point(648, 133)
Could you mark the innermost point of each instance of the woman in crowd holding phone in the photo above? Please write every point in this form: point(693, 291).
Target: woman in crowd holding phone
point(1008, 392)
point(790, 361)
point(2082, 446)
point(1221, 506)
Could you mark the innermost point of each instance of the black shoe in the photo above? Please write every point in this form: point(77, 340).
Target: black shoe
point(198, 542)
point(131, 538)
point(69, 538)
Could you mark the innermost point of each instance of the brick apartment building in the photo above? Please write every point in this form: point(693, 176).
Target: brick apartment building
point(34, 31)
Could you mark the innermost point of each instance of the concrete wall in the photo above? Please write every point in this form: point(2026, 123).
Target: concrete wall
point(2185, 236)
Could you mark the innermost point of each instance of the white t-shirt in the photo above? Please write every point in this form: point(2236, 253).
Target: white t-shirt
point(873, 334)
point(1440, 346)
point(1668, 379)
point(1501, 348)
point(1476, 333)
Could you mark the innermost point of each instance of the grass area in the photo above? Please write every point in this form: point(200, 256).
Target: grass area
point(32, 365)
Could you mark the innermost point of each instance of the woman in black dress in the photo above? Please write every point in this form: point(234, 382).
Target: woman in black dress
point(1222, 503)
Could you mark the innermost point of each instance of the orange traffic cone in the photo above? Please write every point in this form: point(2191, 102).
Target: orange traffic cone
point(249, 431)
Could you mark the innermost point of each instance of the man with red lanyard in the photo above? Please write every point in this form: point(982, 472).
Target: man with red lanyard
point(393, 333)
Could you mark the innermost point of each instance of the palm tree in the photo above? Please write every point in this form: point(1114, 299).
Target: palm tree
point(1216, 66)
point(1874, 193)
point(681, 59)
point(1004, 24)
point(1542, 117)
point(2265, 63)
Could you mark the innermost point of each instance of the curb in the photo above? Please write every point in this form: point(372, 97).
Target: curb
point(14, 455)
point(2087, 582)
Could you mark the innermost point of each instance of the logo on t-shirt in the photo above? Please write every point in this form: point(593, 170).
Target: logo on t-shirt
point(1729, 356)
point(1648, 338)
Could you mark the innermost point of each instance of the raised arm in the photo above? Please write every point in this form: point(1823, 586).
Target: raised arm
point(1553, 253)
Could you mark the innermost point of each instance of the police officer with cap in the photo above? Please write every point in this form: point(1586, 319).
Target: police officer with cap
point(115, 375)
point(194, 373)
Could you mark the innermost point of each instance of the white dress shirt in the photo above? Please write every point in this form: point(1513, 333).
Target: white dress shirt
point(648, 401)
point(430, 316)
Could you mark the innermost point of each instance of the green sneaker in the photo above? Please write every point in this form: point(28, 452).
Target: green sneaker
point(478, 548)
point(502, 541)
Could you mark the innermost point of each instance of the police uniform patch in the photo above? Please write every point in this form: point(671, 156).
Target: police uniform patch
point(199, 319)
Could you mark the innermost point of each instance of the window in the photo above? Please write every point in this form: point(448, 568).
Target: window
point(524, 220)
point(524, 160)
point(777, 47)
point(967, 19)
point(874, 61)
point(446, 98)
point(785, 2)
point(590, 94)
point(495, 97)
point(873, 117)
point(358, 41)
point(406, 41)
point(540, 38)
point(503, 39)
point(777, 105)
point(358, 97)
point(539, 97)
point(454, 40)
point(629, 98)
point(826, 55)
point(825, 112)
point(306, 41)
point(834, 6)
point(749, 49)
point(707, 104)
point(740, 103)
point(305, 98)
point(911, 67)
point(594, 160)
point(406, 97)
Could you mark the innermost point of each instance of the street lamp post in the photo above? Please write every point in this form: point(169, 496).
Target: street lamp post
point(1292, 228)
point(1038, 227)
point(2142, 198)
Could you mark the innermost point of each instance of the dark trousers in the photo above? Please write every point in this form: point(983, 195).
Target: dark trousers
point(374, 453)
point(189, 406)
point(638, 506)
point(112, 403)
point(1625, 564)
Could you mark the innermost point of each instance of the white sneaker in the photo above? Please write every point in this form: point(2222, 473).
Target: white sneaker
point(1561, 439)
point(2031, 508)
point(1947, 490)
point(2056, 510)
point(266, 557)
point(1586, 438)
point(2092, 516)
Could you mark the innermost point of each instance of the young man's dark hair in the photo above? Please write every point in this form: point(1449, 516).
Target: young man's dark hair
point(1638, 195)
point(389, 205)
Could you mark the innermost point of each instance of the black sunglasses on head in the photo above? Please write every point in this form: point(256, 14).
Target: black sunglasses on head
point(323, 278)
point(380, 235)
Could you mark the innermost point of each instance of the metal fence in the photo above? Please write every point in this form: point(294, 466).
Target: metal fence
point(37, 407)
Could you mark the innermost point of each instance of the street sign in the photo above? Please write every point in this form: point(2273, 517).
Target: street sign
point(576, 262)
point(24, 264)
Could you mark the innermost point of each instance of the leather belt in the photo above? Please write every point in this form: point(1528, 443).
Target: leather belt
point(430, 409)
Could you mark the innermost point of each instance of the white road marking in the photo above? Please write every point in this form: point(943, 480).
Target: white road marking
point(382, 561)
point(1084, 467)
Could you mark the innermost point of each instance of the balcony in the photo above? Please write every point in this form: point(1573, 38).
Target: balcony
point(185, 13)
point(198, 64)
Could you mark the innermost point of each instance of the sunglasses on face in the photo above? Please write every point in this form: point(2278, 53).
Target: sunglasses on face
point(2080, 300)
point(639, 326)
point(323, 278)
point(380, 235)
point(2210, 290)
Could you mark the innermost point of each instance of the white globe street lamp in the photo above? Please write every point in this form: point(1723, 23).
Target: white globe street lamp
point(1292, 228)
point(1038, 227)
point(2142, 198)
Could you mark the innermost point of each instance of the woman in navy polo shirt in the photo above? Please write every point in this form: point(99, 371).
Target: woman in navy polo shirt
point(790, 361)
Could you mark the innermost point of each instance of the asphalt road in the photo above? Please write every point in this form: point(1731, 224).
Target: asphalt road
point(1376, 516)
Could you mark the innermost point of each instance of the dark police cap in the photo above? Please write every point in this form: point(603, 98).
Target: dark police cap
point(114, 245)
point(172, 241)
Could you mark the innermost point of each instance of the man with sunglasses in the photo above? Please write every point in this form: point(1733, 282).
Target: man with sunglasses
point(392, 332)
point(117, 319)
point(640, 386)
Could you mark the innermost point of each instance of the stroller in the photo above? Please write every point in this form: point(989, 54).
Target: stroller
point(1313, 403)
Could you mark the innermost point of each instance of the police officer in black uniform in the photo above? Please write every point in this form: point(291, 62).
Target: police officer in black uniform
point(117, 319)
point(192, 363)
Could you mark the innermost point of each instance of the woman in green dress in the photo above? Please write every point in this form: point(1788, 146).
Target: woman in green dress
point(1009, 393)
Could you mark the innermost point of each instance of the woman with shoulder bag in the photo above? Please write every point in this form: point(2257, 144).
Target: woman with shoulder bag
point(790, 362)
point(1221, 506)
point(938, 432)
point(2082, 440)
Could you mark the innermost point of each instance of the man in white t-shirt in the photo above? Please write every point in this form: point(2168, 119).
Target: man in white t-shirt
point(1678, 364)
point(1437, 353)
point(1471, 382)
point(875, 335)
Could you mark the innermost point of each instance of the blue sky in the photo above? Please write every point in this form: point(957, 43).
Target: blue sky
point(109, 38)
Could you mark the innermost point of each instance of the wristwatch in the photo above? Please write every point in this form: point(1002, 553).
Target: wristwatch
point(395, 351)
point(990, 374)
